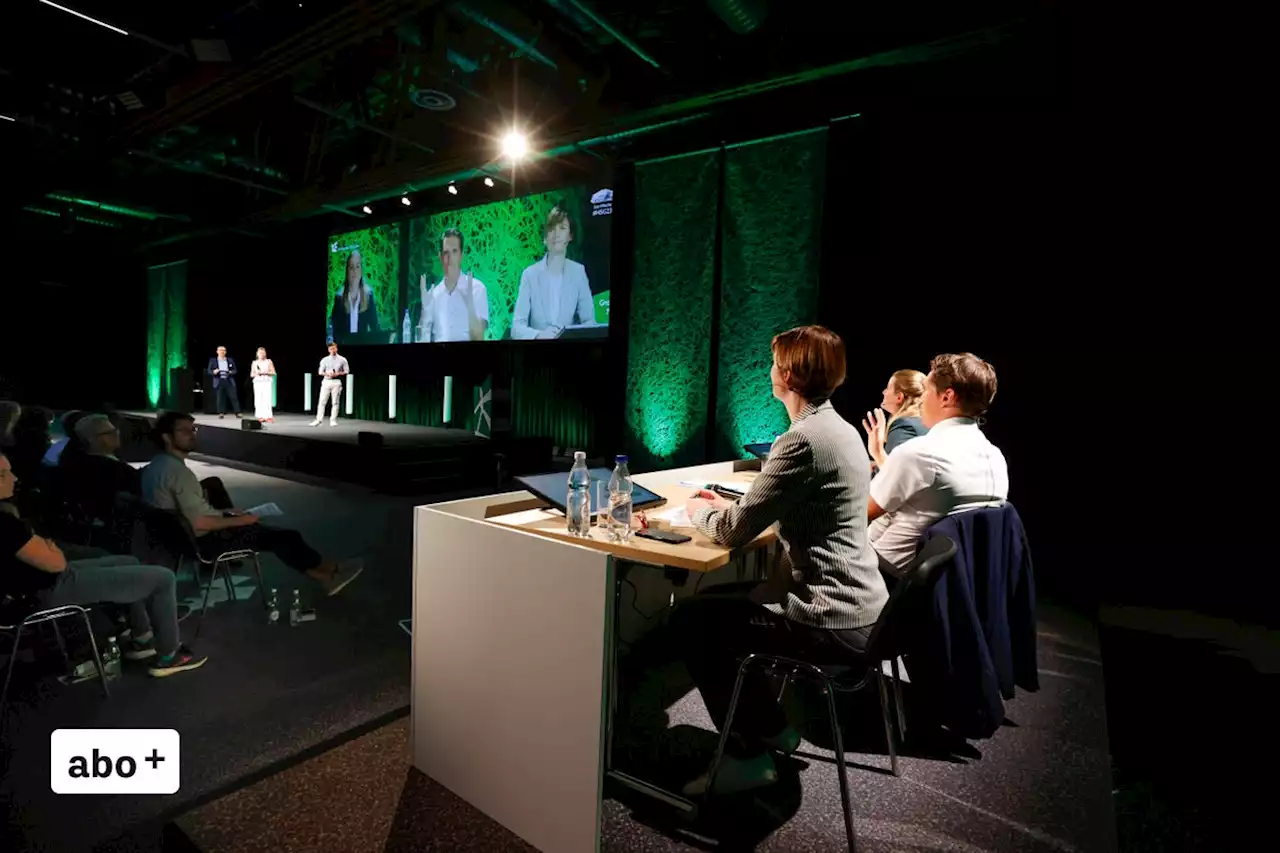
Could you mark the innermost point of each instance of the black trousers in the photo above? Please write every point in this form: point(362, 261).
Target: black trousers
point(286, 544)
point(227, 398)
point(717, 630)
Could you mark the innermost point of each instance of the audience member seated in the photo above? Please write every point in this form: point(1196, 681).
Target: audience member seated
point(901, 401)
point(168, 484)
point(35, 569)
point(68, 421)
point(30, 441)
point(951, 468)
point(9, 414)
point(826, 600)
point(92, 476)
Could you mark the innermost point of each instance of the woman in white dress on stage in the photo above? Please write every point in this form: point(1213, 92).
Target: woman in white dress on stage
point(262, 372)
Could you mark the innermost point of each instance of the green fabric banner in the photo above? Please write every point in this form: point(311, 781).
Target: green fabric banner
point(166, 329)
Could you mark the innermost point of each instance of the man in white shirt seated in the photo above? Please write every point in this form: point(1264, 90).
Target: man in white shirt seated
point(554, 291)
point(168, 484)
point(952, 468)
point(457, 308)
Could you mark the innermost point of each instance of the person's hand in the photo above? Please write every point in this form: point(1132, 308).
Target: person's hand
point(464, 287)
point(422, 289)
point(705, 499)
point(550, 333)
point(247, 519)
point(875, 424)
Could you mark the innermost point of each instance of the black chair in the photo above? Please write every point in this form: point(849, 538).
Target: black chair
point(171, 533)
point(16, 616)
point(887, 643)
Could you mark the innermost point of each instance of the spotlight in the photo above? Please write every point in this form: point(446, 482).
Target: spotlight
point(488, 182)
point(404, 199)
point(453, 190)
point(367, 209)
point(514, 145)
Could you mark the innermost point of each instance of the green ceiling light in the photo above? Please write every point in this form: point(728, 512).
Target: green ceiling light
point(43, 211)
point(104, 207)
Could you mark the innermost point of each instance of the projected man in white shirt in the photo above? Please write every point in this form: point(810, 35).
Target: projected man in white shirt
point(554, 292)
point(457, 308)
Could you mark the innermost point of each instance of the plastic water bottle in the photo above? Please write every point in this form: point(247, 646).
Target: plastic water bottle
point(295, 609)
point(620, 501)
point(273, 609)
point(578, 504)
point(406, 333)
point(111, 659)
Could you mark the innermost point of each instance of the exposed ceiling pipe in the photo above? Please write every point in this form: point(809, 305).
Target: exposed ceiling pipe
point(350, 24)
point(741, 16)
point(526, 48)
point(196, 170)
point(355, 122)
point(603, 24)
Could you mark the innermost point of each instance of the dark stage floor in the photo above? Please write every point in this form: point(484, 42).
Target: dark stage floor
point(298, 426)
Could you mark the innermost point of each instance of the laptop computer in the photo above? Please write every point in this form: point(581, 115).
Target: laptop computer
point(554, 489)
point(759, 450)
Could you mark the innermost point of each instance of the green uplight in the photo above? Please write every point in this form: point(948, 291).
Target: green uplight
point(43, 211)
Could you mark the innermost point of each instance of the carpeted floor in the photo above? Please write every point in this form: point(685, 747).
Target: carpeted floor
point(267, 693)
point(1041, 784)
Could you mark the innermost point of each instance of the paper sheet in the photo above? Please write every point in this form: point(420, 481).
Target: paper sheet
point(266, 510)
point(676, 516)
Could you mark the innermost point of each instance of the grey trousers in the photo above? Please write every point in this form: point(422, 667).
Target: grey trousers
point(149, 591)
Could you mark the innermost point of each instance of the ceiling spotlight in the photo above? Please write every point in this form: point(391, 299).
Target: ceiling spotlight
point(367, 209)
point(514, 145)
point(488, 182)
point(453, 190)
point(404, 199)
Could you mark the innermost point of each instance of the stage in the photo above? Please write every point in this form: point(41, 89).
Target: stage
point(391, 457)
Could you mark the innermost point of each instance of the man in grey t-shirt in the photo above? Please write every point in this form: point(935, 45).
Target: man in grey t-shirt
point(332, 367)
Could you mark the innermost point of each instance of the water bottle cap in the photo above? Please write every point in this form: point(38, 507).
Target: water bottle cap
point(579, 454)
point(620, 458)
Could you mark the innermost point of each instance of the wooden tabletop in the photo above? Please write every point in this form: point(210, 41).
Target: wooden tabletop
point(698, 555)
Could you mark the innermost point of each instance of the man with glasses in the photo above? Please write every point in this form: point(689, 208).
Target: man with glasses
point(92, 474)
point(168, 484)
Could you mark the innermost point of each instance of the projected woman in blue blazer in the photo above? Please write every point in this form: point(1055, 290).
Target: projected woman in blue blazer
point(554, 292)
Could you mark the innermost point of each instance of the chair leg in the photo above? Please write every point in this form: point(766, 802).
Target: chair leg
point(13, 660)
point(62, 646)
point(837, 743)
point(205, 605)
point(97, 658)
point(897, 701)
point(728, 725)
point(262, 588)
point(227, 582)
point(888, 724)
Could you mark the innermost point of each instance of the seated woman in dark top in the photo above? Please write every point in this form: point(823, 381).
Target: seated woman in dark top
point(901, 401)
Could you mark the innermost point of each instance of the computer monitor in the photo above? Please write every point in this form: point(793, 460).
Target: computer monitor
point(554, 489)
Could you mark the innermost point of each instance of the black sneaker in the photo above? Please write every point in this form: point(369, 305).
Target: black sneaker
point(136, 650)
point(180, 661)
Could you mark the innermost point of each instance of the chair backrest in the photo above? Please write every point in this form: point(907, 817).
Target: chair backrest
point(909, 596)
point(165, 529)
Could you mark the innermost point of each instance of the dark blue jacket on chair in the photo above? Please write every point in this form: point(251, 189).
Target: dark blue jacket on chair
point(978, 640)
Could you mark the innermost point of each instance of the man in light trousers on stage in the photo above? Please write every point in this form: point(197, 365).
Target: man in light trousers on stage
point(332, 367)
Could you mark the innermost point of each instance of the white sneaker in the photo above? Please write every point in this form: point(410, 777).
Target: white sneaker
point(316, 422)
point(333, 423)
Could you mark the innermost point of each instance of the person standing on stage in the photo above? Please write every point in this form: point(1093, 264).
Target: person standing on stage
point(554, 291)
point(263, 372)
point(457, 308)
point(222, 368)
point(332, 367)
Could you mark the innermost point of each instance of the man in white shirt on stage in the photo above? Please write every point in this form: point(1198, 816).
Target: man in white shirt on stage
point(949, 469)
point(332, 367)
point(457, 308)
point(554, 292)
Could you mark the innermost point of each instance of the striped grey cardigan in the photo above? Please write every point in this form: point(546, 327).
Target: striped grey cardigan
point(814, 485)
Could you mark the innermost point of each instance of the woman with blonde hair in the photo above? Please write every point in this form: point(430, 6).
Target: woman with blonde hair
point(354, 311)
point(901, 400)
point(263, 371)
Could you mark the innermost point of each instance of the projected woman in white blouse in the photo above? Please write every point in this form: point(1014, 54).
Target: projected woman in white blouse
point(554, 292)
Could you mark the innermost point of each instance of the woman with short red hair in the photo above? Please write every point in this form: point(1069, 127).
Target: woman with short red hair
point(814, 487)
